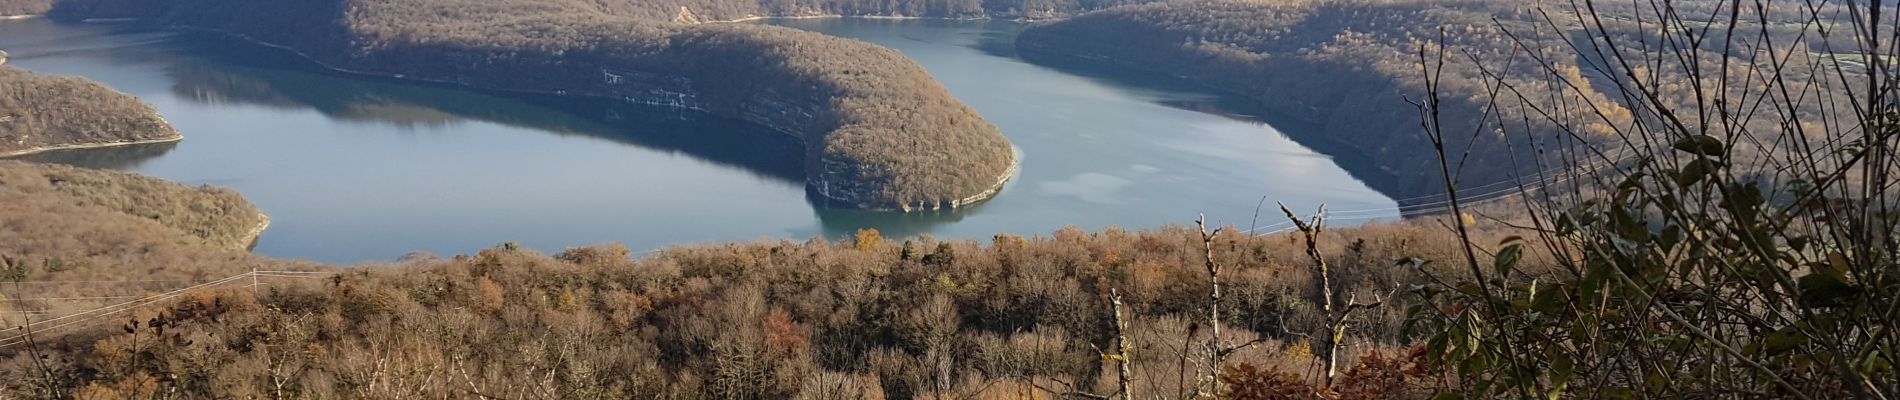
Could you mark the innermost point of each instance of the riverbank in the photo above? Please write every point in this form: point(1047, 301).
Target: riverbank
point(1015, 165)
point(869, 17)
point(884, 132)
point(79, 146)
point(257, 232)
point(41, 113)
point(788, 129)
point(1353, 101)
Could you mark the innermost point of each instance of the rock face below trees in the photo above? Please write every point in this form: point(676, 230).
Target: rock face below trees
point(44, 112)
point(878, 131)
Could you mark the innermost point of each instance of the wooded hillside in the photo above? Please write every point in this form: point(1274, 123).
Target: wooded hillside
point(867, 318)
point(1350, 72)
point(41, 112)
point(1344, 68)
point(204, 216)
point(879, 132)
point(64, 229)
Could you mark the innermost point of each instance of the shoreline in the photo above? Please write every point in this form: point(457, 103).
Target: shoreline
point(878, 17)
point(1015, 167)
point(20, 17)
point(256, 232)
point(842, 16)
point(81, 146)
point(1008, 174)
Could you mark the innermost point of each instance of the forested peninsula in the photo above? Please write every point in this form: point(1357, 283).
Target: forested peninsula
point(878, 131)
point(53, 209)
point(43, 112)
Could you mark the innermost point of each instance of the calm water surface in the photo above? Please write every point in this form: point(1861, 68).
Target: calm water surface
point(353, 169)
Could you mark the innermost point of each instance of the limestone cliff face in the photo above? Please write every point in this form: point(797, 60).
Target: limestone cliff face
point(44, 112)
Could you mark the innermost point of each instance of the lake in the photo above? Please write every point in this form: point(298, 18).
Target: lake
point(354, 169)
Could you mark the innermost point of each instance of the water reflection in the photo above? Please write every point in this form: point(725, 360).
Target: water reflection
point(244, 74)
point(843, 222)
point(1305, 133)
point(116, 157)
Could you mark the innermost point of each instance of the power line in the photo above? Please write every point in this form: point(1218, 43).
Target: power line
point(102, 312)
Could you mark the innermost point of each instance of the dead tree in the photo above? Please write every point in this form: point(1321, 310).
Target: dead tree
point(1337, 318)
point(1216, 352)
point(1123, 356)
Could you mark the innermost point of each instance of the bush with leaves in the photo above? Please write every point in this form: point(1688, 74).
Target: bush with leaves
point(1683, 270)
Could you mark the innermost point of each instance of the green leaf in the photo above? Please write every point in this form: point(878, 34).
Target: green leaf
point(1876, 365)
point(1566, 225)
point(1507, 259)
point(1562, 366)
point(1696, 171)
point(1671, 236)
point(1557, 391)
point(1837, 264)
point(1619, 393)
point(1548, 300)
point(1470, 288)
point(1700, 145)
point(1783, 340)
point(1822, 289)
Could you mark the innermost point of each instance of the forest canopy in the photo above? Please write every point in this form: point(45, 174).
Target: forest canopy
point(200, 216)
point(41, 112)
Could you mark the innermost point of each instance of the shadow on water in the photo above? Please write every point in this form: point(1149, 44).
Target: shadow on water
point(844, 222)
point(115, 158)
point(239, 72)
point(999, 42)
point(1301, 130)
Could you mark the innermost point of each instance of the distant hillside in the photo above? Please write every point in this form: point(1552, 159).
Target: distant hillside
point(24, 7)
point(1347, 73)
point(878, 131)
point(44, 112)
point(78, 239)
point(1344, 68)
